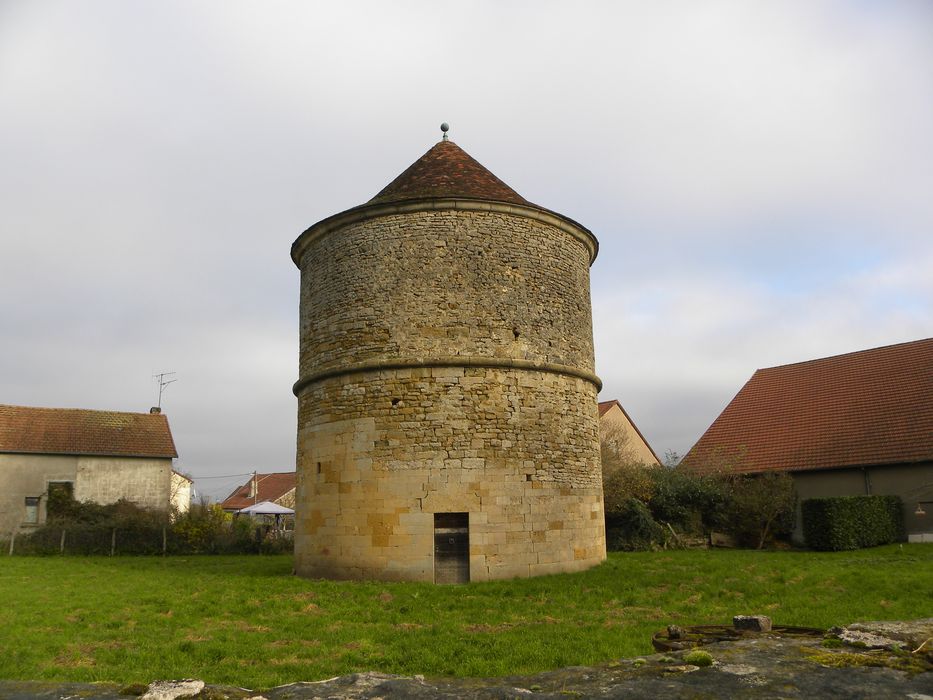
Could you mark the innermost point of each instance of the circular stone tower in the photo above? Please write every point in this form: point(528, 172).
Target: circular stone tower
point(447, 416)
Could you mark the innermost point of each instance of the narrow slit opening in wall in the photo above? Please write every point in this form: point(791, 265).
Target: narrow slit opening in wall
point(318, 467)
point(451, 548)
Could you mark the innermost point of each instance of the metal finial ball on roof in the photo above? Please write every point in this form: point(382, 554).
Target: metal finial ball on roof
point(445, 127)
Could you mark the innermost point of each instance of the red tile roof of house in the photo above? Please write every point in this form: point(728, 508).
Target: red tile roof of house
point(604, 407)
point(78, 431)
point(271, 487)
point(864, 408)
point(446, 170)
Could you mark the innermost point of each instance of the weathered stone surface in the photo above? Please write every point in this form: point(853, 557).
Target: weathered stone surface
point(145, 481)
point(503, 285)
point(868, 640)
point(764, 667)
point(754, 623)
point(446, 366)
point(173, 690)
point(912, 633)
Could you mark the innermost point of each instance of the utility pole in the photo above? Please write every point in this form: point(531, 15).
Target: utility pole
point(255, 487)
point(163, 380)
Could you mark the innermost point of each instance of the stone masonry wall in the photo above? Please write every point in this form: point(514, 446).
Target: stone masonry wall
point(27, 476)
point(445, 283)
point(381, 452)
point(446, 366)
point(144, 481)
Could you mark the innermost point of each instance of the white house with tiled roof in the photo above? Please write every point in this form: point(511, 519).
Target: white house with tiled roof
point(98, 456)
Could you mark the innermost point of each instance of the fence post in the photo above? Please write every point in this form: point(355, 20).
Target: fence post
point(164, 542)
point(113, 541)
point(12, 540)
point(61, 547)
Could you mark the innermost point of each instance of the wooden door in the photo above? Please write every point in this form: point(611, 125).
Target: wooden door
point(451, 547)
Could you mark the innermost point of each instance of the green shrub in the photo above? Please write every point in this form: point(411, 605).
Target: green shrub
point(89, 528)
point(759, 507)
point(61, 503)
point(852, 522)
point(632, 528)
point(125, 528)
point(200, 528)
point(689, 502)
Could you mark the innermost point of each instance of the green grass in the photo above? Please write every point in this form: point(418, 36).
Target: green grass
point(246, 621)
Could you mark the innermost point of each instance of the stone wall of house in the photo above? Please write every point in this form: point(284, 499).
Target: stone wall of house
point(146, 482)
point(180, 497)
point(287, 499)
point(25, 476)
point(615, 426)
point(103, 480)
point(446, 367)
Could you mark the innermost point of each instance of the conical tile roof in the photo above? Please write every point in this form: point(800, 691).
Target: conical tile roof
point(447, 171)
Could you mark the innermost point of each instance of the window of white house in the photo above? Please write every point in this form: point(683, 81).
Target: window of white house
point(32, 509)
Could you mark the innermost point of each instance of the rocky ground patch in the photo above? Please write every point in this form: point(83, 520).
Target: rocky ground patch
point(758, 666)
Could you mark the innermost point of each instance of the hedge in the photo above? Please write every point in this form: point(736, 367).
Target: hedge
point(852, 522)
point(72, 538)
point(126, 528)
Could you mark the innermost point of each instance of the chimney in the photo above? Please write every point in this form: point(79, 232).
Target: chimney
point(155, 410)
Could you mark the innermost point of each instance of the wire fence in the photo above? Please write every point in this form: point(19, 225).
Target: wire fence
point(103, 540)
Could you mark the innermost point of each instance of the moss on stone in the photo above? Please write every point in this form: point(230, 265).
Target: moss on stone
point(847, 659)
point(833, 643)
point(698, 657)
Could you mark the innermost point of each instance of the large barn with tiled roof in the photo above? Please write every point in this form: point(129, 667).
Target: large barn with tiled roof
point(99, 456)
point(845, 425)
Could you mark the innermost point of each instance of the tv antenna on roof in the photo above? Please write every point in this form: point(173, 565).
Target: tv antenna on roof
point(163, 379)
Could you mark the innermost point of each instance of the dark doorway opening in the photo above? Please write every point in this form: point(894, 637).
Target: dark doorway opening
point(451, 548)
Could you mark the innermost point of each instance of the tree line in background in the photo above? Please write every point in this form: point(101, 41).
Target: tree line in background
point(650, 507)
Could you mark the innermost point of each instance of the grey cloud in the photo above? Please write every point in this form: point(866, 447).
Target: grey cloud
point(758, 177)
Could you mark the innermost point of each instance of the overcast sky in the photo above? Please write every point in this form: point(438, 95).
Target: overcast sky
point(759, 176)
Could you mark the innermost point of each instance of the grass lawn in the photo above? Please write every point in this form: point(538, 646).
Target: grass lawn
point(245, 620)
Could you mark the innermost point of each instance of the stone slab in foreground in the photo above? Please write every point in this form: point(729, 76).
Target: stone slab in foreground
point(765, 667)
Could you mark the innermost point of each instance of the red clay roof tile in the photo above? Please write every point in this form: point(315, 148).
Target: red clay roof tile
point(862, 408)
point(270, 487)
point(446, 170)
point(78, 431)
